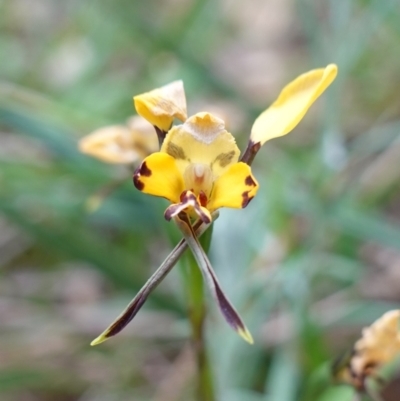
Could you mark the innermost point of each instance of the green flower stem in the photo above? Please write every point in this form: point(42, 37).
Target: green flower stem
point(193, 283)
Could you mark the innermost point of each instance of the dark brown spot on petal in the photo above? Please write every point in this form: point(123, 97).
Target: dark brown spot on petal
point(136, 179)
point(246, 198)
point(182, 197)
point(225, 158)
point(175, 151)
point(249, 181)
point(144, 170)
point(137, 183)
point(203, 199)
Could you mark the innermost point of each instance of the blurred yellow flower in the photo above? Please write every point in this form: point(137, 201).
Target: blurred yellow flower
point(121, 144)
point(379, 345)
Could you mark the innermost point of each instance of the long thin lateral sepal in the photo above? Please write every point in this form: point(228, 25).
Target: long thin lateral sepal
point(228, 311)
point(134, 306)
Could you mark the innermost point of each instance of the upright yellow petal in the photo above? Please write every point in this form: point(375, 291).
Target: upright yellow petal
point(292, 104)
point(158, 175)
point(160, 106)
point(235, 188)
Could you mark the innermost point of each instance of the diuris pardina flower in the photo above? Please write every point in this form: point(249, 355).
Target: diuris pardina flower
point(199, 170)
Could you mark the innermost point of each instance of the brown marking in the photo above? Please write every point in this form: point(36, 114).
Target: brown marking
point(225, 158)
point(144, 170)
point(127, 316)
point(173, 210)
point(199, 180)
point(250, 152)
point(249, 181)
point(175, 151)
point(161, 135)
point(182, 197)
point(136, 179)
point(203, 216)
point(137, 183)
point(246, 198)
point(189, 196)
point(203, 199)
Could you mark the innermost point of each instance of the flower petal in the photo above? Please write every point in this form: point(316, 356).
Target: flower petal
point(234, 189)
point(160, 106)
point(188, 201)
point(158, 175)
point(228, 311)
point(292, 104)
point(134, 306)
point(202, 139)
point(112, 144)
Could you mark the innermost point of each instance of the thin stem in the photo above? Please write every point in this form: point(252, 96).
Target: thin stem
point(250, 152)
point(160, 135)
point(197, 315)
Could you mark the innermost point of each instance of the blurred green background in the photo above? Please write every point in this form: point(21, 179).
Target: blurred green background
point(313, 259)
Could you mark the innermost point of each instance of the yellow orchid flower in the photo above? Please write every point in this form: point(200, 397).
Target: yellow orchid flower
point(198, 170)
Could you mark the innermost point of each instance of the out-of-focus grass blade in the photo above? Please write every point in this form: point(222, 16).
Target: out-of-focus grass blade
point(113, 261)
point(283, 378)
point(15, 379)
point(376, 139)
point(54, 138)
point(241, 395)
point(366, 225)
point(339, 393)
point(76, 243)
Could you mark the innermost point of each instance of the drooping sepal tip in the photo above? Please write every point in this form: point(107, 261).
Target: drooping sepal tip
point(246, 335)
point(100, 339)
